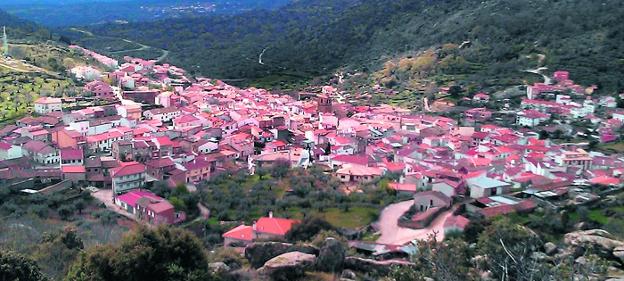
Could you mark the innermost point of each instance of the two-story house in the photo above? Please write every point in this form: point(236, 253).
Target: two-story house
point(128, 176)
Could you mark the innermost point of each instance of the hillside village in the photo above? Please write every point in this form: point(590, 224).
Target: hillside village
point(155, 124)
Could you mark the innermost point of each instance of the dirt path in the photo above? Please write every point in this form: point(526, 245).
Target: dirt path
point(393, 234)
point(142, 47)
point(203, 210)
point(164, 56)
point(106, 196)
point(538, 71)
point(82, 31)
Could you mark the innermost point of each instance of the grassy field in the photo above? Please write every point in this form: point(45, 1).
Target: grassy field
point(355, 217)
point(617, 147)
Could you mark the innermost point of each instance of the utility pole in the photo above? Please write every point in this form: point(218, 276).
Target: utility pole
point(5, 43)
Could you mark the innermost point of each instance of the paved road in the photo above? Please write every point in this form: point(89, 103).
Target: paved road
point(393, 234)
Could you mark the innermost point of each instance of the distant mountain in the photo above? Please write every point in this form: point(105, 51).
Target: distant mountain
point(85, 12)
point(310, 38)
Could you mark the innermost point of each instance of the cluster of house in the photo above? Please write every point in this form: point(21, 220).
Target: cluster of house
point(165, 127)
point(553, 106)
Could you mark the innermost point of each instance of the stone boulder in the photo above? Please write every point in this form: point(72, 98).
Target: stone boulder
point(550, 248)
point(288, 266)
point(618, 252)
point(259, 253)
point(541, 257)
point(348, 274)
point(331, 256)
point(596, 239)
point(219, 267)
point(374, 267)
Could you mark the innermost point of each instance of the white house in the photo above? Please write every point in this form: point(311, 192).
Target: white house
point(8, 151)
point(128, 176)
point(531, 118)
point(484, 186)
point(619, 115)
point(41, 153)
point(208, 147)
point(163, 114)
point(45, 105)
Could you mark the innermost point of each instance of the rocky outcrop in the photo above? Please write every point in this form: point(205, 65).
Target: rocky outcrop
point(379, 268)
point(596, 239)
point(259, 253)
point(288, 266)
point(331, 256)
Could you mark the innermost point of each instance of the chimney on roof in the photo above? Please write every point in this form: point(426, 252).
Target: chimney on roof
point(253, 226)
point(270, 214)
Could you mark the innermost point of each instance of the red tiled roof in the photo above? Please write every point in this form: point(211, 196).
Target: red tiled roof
point(161, 206)
point(605, 180)
point(353, 159)
point(405, 187)
point(241, 232)
point(128, 168)
point(131, 198)
point(5, 146)
point(525, 205)
point(276, 226)
point(164, 141)
point(71, 154)
point(160, 163)
point(73, 169)
point(198, 163)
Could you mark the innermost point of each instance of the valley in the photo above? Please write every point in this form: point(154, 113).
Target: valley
point(312, 140)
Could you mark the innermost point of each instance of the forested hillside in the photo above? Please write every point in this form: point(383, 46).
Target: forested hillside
point(22, 29)
point(311, 38)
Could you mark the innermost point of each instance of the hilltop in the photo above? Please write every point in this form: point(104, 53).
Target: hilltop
point(308, 39)
point(22, 29)
point(37, 66)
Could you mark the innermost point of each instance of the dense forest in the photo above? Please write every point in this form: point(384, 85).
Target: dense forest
point(311, 38)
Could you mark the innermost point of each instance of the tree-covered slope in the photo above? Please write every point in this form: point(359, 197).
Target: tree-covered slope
point(315, 37)
point(22, 29)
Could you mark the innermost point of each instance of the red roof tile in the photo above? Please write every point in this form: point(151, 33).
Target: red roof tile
point(276, 226)
point(241, 232)
point(73, 169)
point(128, 168)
